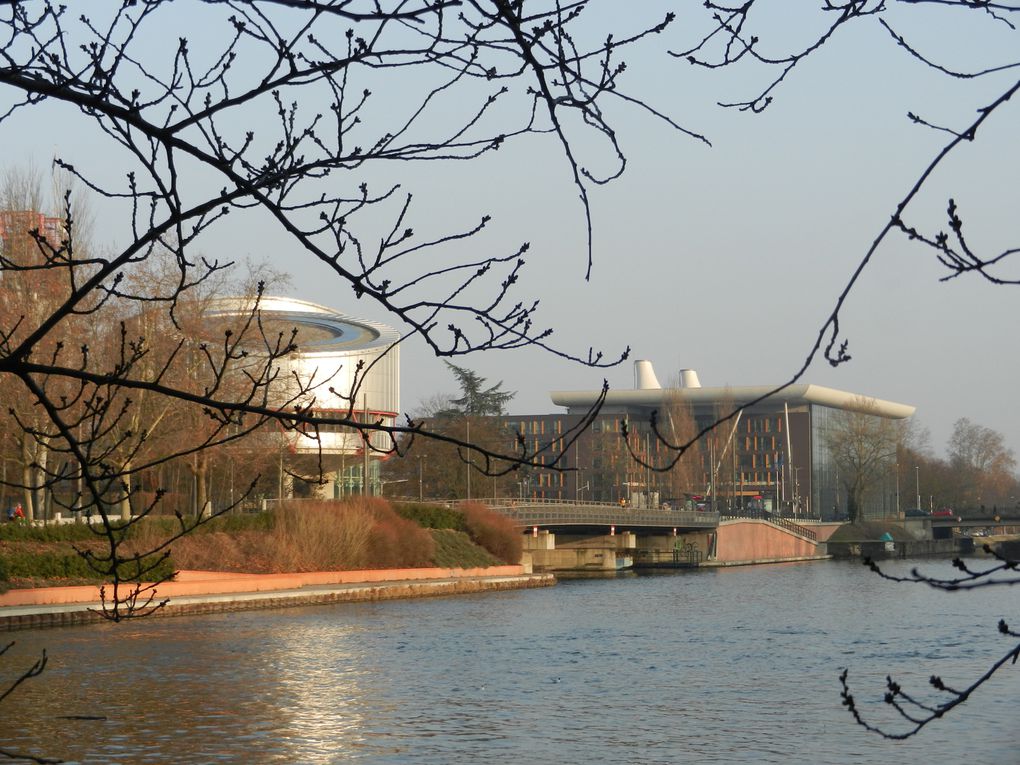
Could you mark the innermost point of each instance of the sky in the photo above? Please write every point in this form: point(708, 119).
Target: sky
point(725, 258)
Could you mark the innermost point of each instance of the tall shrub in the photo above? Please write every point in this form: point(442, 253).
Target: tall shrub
point(358, 533)
point(396, 542)
point(495, 532)
point(321, 536)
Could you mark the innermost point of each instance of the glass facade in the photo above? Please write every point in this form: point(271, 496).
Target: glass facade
point(774, 457)
point(824, 473)
point(879, 498)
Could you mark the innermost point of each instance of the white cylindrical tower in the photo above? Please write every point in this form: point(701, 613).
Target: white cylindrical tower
point(644, 376)
point(689, 379)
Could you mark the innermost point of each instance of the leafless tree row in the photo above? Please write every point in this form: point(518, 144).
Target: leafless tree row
point(288, 112)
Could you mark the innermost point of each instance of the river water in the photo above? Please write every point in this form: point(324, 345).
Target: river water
point(718, 666)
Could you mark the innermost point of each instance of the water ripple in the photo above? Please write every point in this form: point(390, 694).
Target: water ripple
point(734, 666)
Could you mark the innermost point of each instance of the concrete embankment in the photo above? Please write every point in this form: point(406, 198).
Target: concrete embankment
point(912, 548)
point(204, 592)
point(748, 542)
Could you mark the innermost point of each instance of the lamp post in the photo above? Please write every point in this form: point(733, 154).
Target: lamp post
point(467, 466)
point(896, 466)
point(796, 488)
point(917, 485)
point(420, 493)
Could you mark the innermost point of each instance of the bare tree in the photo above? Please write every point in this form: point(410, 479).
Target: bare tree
point(686, 477)
point(982, 462)
point(273, 119)
point(23, 303)
point(277, 118)
point(977, 458)
point(744, 37)
point(283, 116)
point(740, 35)
point(863, 446)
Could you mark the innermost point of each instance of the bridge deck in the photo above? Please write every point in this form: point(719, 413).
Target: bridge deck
point(527, 513)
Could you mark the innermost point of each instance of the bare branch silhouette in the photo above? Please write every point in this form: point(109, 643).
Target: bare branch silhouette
point(917, 712)
point(121, 358)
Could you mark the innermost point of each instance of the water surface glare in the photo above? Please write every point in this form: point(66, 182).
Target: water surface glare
point(712, 666)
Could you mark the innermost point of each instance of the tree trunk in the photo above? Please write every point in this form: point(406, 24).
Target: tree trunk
point(200, 469)
point(27, 478)
point(41, 492)
point(125, 501)
point(853, 503)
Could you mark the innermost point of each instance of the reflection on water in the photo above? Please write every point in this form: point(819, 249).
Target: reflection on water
point(736, 665)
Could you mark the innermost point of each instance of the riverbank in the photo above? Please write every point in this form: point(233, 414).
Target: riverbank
point(204, 592)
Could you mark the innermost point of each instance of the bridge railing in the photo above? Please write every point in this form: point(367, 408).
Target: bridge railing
point(550, 512)
point(796, 528)
point(775, 520)
point(606, 514)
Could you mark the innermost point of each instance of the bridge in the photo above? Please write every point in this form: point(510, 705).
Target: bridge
point(943, 526)
point(599, 517)
point(963, 522)
point(578, 536)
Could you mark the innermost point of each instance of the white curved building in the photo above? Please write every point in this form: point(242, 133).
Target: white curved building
point(331, 346)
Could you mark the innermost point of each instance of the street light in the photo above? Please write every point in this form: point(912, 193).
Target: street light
point(420, 495)
point(917, 485)
point(796, 488)
point(896, 465)
point(467, 466)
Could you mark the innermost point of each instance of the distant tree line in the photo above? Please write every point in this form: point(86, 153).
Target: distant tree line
point(977, 473)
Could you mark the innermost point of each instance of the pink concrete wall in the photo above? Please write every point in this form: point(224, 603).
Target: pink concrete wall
point(751, 540)
point(215, 582)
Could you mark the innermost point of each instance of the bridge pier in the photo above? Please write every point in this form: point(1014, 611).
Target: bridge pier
point(565, 552)
point(608, 552)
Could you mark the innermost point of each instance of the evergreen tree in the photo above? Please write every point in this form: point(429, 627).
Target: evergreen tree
point(477, 400)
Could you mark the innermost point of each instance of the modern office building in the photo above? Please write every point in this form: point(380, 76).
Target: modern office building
point(772, 453)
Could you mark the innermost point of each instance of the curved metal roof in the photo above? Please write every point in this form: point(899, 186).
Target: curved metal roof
point(336, 332)
point(793, 394)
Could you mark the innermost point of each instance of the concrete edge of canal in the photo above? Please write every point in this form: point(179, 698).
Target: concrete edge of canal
point(44, 615)
point(760, 561)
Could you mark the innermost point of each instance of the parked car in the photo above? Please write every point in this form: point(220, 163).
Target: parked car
point(916, 512)
point(943, 512)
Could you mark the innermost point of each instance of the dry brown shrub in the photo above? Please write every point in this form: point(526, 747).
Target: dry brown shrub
point(242, 552)
point(359, 533)
point(321, 536)
point(396, 542)
point(495, 532)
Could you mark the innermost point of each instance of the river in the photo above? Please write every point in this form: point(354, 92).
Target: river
point(717, 666)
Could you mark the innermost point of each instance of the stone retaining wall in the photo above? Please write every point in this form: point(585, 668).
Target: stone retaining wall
point(69, 614)
point(902, 549)
point(187, 583)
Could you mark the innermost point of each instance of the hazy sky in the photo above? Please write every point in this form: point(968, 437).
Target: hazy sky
point(727, 259)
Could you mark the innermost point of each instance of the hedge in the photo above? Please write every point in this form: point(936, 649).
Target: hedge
point(433, 516)
point(24, 564)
